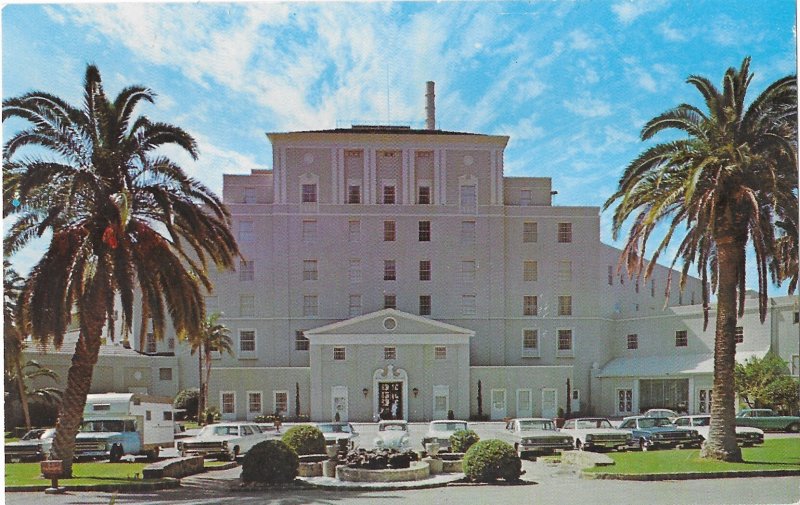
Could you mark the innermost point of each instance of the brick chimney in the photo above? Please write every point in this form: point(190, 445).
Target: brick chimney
point(430, 107)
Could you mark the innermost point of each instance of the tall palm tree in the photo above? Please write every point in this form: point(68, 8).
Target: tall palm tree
point(121, 217)
point(212, 337)
point(724, 183)
point(13, 335)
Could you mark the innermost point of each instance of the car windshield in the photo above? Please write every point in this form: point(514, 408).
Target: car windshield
point(702, 421)
point(102, 426)
point(659, 413)
point(587, 424)
point(536, 424)
point(651, 422)
point(32, 435)
point(393, 427)
point(334, 428)
point(448, 426)
point(219, 430)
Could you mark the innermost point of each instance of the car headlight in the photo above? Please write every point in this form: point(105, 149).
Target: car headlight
point(658, 436)
point(225, 444)
point(567, 440)
point(589, 438)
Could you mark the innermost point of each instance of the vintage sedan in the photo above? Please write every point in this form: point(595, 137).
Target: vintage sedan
point(439, 432)
point(745, 435)
point(33, 446)
point(768, 420)
point(670, 414)
point(222, 440)
point(596, 433)
point(342, 434)
point(536, 436)
point(392, 435)
point(655, 432)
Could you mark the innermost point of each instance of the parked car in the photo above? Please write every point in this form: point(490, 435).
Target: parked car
point(655, 432)
point(669, 414)
point(33, 446)
point(596, 433)
point(339, 433)
point(767, 419)
point(222, 440)
point(439, 432)
point(536, 436)
point(745, 435)
point(392, 435)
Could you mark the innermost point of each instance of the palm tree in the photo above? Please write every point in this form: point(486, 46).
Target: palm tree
point(12, 336)
point(725, 182)
point(121, 218)
point(212, 337)
point(31, 371)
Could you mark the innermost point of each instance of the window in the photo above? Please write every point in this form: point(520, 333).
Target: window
point(354, 194)
point(150, 344)
point(681, 338)
point(467, 232)
point(564, 233)
point(171, 344)
point(310, 303)
point(228, 401)
point(280, 401)
point(525, 197)
point(636, 286)
point(624, 401)
point(247, 270)
point(424, 231)
point(564, 305)
point(468, 305)
point(249, 195)
point(355, 306)
point(704, 401)
point(425, 305)
point(389, 301)
point(354, 271)
point(530, 305)
point(246, 234)
point(468, 272)
point(310, 270)
point(300, 341)
point(530, 271)
point(309, 230)
point(530, 232)
point(388, 195)
point(739, 335)
point(247, 305)
point(389, 270)
point(390, 353)
point(565, 341)
point(167, 415)
point(633, 341)
point(691, 301)
point(339, 354)
point(468, 198)
point(309, 193)
point(565, 271)
point(354, 230)
point(425, 270)
point(440, 352)
point(254, 402)
point(165, 374)
point(424, 197)
point(389, 232)
point(610, 275)
point(652, 288)
point(148, 415)
point(796, 318)
point(247, 341)
point(530, 343)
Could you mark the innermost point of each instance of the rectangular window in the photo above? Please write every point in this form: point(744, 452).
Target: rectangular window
point(530, 305)
point(354, 194)
point(564, 233)
point(246, 233)
point(440, 352)
point(300, 341)
point(390, 353)
point(354, 271)
point(389, 231)
point(354, 230)
point(148, 415)
point(469, 198)
point(530, 232)
point(309, 230)
point(228, 402)
point(467, 232)
point(424, 231)
point(468, 305)
point(564, 305)
point(389, 301)
point(171, 344)
point(249, 195)
point(681, 338)
point(530, 271)
point(281, 401)
point(739, 335)
point(247, 270)
point(565, 271)
point(796, 318)
point(247, 341)
point(525, 197)
point(530, 343)
point(424, 195)
point(165, 374)
point(310, 305)
point(565, 341)
point(610, 275)
point(247, 305)
point(150, 344)
point(425, 305)
point(425, 270)
point(167, 415)
point(468, 272)
point(310, 270)
point(633, 341)
point(652, 288)
point(355, 306)
point(254, 402)
point(691, 301)
point(339, 354)
point(389, 270)
point(309, 193)
point(388, 195)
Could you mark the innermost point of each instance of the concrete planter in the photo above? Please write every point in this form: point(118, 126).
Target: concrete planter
point(417, 471)
point(452, 466)
point(174, 467)
point(310, 469)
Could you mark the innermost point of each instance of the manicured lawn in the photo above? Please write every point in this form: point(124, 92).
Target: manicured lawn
point(29, 474)
point(775, 454)
point(211, 463)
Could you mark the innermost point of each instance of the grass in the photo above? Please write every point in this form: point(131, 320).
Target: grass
point(29, 474)
point(214, 463)
point(775, 454)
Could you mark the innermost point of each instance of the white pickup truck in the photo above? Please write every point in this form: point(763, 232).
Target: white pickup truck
point(223, 440)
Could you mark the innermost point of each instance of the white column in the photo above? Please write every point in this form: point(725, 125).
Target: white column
point(412, 183)
point(283, 175)
point(334, 177)
point(366, 185)
point(436, 181)
point(340, 171)
point(443, 176)
point(404, 176)
point(499, 164)
point(493, 176)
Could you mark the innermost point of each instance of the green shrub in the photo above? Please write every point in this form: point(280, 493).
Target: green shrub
point(462, 440)
point(305, 439)
point(489, 460)
point(187, 400)
point(271, 462)
point(211, 415)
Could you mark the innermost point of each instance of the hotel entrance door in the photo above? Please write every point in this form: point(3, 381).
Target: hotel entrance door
point(390, 400)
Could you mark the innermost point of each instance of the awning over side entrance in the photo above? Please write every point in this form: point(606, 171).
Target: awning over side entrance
point(660, 366)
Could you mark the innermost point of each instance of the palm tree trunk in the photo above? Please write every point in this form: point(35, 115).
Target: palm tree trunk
point(208, 376)
point(201, 404)
point(721, 443)
point(23, 398)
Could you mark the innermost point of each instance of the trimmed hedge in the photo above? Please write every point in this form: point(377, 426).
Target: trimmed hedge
point(462, 440)
point(489, 460)
point(270, 462)
point(305, 439)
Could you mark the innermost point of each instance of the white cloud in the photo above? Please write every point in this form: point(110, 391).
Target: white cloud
point(673, 34)
point(580, 40)
point(586, 106)
point(628, 11)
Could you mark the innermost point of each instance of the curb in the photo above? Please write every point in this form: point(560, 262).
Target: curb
point(166, 483)
point(652, 477)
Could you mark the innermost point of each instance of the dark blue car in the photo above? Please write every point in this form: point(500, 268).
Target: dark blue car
point(654, 432)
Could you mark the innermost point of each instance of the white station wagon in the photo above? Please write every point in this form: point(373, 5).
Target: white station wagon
point(595, 433)
point(223, 440)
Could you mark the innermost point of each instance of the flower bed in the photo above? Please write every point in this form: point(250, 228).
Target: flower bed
point(417, 471)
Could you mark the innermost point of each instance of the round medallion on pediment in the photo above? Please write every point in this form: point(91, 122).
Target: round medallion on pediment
point(308, 158)
point(468, 160)
point(390, 323)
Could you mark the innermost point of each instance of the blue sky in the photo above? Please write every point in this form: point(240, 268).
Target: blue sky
point(571, 82)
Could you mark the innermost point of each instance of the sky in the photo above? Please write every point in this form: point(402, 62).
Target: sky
point(571, 82)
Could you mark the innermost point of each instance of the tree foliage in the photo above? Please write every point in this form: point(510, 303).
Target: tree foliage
point(764, 383)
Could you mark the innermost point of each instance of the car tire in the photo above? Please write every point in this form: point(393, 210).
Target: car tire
point(116, 454)
point(151, 455)
point(519, 451)
point(793, 428)
point(643, 445)
point(233, 454)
